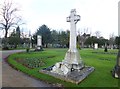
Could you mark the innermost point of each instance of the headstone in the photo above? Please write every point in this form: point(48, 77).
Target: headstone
point(30, 45)
point(39, 43)
point(72, 68)
point(30, 42)
point(24, 45)
point(96, 46)
point(105, 50)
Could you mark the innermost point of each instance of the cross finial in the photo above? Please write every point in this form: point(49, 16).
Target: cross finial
point(73, 18)
point(73, 11)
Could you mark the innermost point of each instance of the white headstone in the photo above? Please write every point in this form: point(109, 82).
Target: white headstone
point(39, 41)
point(30, 45)
point(24, 45)
point(96, 46)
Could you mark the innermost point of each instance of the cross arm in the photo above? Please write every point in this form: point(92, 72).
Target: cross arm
point(77, 18)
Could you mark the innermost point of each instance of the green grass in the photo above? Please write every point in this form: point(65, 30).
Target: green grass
point(101, 77)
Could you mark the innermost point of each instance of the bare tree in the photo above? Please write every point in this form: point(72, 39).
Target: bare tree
point(8, 17)
point(98, 34)
point(82, 36)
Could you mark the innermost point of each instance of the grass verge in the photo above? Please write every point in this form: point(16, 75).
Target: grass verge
point(101, 77)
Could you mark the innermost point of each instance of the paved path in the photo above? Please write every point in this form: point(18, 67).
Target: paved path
point(13, 78)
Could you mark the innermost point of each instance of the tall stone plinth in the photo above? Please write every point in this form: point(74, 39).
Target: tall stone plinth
point(71, 62)
point(73, 57)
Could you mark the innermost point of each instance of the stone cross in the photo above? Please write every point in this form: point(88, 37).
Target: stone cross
point(39, 41)
point(73, 19)
point(72, 56)
point(72, 68)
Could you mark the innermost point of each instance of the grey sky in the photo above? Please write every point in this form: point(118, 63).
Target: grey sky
point(96, 15)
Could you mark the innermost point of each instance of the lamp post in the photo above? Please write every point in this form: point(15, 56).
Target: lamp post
point(116, 70)
point(118, 56)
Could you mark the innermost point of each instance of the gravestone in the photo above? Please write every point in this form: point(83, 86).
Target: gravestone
point(30, 45)
point(72, 68)
point(30, 41)
point(105, 50)
point(96, 46)
point(24, 45)
point(39, 43)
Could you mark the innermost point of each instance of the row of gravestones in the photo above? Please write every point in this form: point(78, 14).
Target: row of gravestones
point(39, 44)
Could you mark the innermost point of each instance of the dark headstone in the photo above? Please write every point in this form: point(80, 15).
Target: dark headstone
point(105, 49)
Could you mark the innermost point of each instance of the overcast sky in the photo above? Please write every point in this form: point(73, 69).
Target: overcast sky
point(96, 15)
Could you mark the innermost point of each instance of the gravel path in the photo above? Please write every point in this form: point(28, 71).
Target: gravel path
point(13, 78)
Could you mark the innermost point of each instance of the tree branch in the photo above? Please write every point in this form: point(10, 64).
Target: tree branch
point(9, 18)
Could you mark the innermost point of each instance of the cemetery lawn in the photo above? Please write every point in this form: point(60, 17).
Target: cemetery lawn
point(31, 63)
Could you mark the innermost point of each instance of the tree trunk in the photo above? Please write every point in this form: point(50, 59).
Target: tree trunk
point(6, 32)
point(6, 40)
